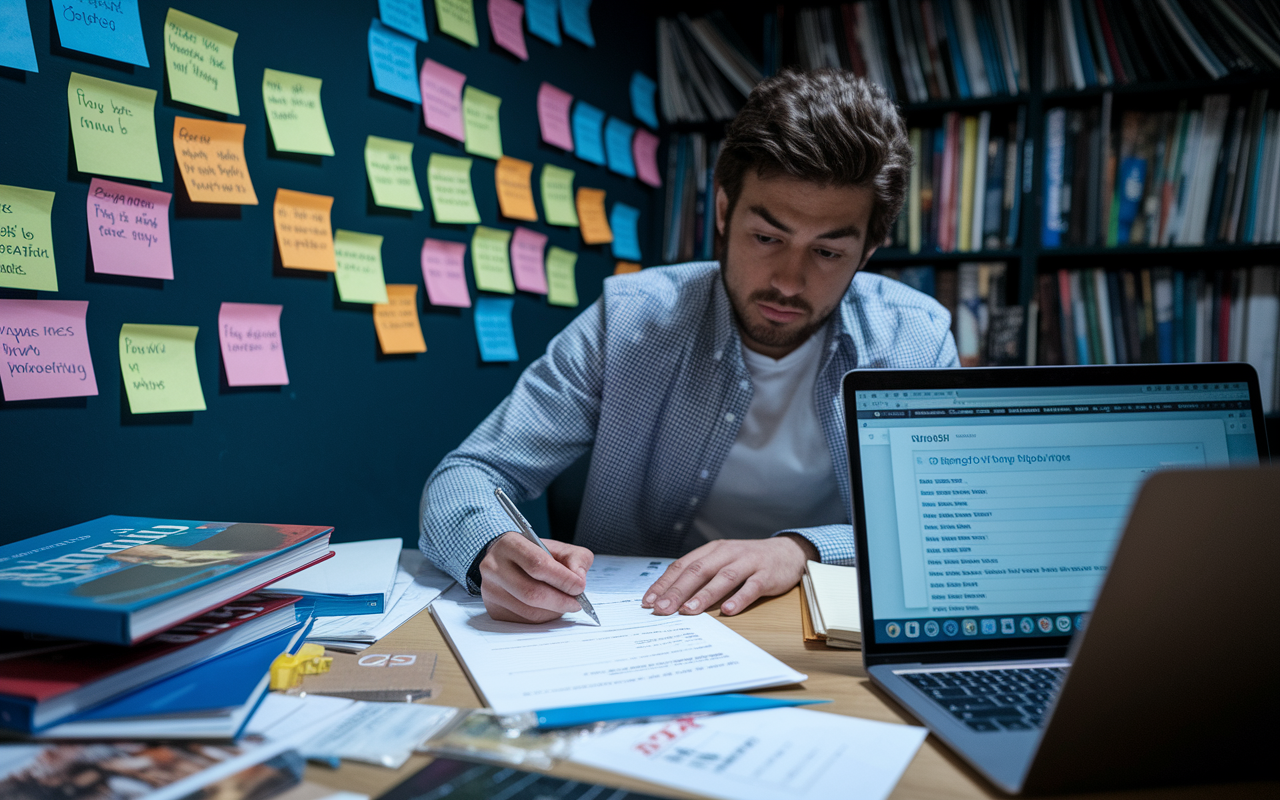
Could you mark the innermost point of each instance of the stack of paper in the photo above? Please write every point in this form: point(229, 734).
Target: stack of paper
point(417, 583)
point(357, 580)
point(830, 610)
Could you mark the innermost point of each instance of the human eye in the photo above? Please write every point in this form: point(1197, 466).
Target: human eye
point(828, 255)
point(763, 238)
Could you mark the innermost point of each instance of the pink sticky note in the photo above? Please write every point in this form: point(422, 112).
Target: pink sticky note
point(44, 349)
point(526, 260)
point(252, 351)
point(505, 20)
point(442, 99)
point(645, 149)
point(553, 116)
point(443, 273)
point(129, 230)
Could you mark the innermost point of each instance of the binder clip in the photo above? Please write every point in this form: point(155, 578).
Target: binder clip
point(287, 670)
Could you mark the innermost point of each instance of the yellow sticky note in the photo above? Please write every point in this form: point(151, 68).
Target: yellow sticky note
point(113, 126)
point(294, 113)
point(26, 239)
point(211, 159)
point(484, 133)
point(303, 230)
point(449, 182)
point(458, 19)
point(396, 320)
point(359, 276)
point(562, 286)
point(625, 267)
point(389, 163)
point(491, 259)
point(593, 219)
point(197, 57)
point(515, 188)
point(557, 196)
point(158, 363)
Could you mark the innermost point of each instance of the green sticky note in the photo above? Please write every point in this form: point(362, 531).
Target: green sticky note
point(484, 134)
point(113, 126)
point(557, 196)
point(389, 163)
point(158, 363)
point(458, 19)
point(449, 182)
point(294, 113)
point(197, 56)
point(491, 259)
point(359, 275)
point(26, 239)
point(562, 286)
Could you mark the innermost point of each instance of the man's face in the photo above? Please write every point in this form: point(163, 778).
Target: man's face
point(790, 250)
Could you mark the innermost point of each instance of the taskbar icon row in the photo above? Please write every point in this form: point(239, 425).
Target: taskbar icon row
point(979, 627)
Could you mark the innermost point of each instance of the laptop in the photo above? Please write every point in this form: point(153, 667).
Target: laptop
point(1003, 608)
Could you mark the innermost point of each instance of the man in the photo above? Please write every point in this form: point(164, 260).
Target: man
point(709, 392)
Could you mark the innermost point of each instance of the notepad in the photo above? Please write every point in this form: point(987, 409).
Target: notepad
point(831, 595)
point(357, 580)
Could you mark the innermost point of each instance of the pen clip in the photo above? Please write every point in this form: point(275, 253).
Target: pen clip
point(514, 513)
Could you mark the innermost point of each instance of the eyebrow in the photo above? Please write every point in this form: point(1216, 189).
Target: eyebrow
point(838, 233)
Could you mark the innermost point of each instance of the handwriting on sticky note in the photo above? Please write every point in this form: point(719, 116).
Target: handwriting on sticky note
point(576, 18)
point(303, 231)
point(389, 165)
point(588, 133)
point(514, 179)
point(505, 21)
point(645, 150)
point(108, 29)
point(294, 113)
point(44, 350)
point(17, 50)
point(490, 256)
point(442, 99)
point(359, 276)
point(526, 260)
point(113, 127)
point(625, 267)
point(494, 331)
point(449, 182)
point(211, 159)
point(553, 116)
point(617, 145)
point(484, 131)
point(557, 196)
point(643, 89)
point(591, 217)
point(129, 230)
point(405, 16)
point(458, 19)
point(252, 350)
point(624, 221)
point(26, 239)
point(393, 62)
point(562, 284)
point(158, 363)
point(442, 272)
point(544, 19)
point(198, 59)
point(396, 320)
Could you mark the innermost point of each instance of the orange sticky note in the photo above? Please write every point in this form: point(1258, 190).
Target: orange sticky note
point(397, 320)
point(211, 159)
point(592, 220)
point(515, 189)
point(624, 267)
point(303, 231)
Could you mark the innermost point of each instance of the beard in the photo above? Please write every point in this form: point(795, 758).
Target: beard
point(762, 331)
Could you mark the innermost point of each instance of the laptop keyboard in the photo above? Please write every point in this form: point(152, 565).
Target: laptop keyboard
point(993, 699)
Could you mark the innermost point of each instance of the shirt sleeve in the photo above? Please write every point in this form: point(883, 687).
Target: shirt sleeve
point(833, 542)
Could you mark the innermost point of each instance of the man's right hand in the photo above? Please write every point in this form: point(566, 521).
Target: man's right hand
point(521, 583)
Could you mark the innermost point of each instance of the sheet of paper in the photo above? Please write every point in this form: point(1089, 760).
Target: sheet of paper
point(458, 19)
point(506, 23)
point(211, 159)
point(252, 350)
point(442, 272)
point(111, 29)
point(449, 182)
point(44, 349)
point(494, 331)
point(562, 284)
point(514, 179)
point(198, 59)
point(405, 16)
point(624, 221)
point(396, 321)
point(557, 196)
point(588, 133)
point(553, 116)
point(359, 275)
point(442, 99)
point(835, 591)
point(417, 584)
point(617, 144)
point(129, 230)
point(113, 127)
point(393, 60)
point(643, 89)
point(544, 19)
point(26, 239)
point(490, 257)
point(776, 754)
point(303, 230)
point(627, 575)
point(158, 363)
point(378, 733)
point(527, 247)
point(17, 51)
point(576, 17)
point(591, 217)
point(645, 150)
point(389, 165)
point(484, 130)
point(366, 567)
point(626, 268)
point(294, 113)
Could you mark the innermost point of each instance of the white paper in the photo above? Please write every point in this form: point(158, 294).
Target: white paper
point(417, 584)
point(379, 733)
point(356, 569)
point(624, 575)
point(777, 754)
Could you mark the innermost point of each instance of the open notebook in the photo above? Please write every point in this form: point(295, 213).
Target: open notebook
point(831, 602)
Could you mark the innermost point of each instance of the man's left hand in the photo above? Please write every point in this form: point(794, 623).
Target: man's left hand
point(754, 567)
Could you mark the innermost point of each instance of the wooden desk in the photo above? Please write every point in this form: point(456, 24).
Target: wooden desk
point(773, 624)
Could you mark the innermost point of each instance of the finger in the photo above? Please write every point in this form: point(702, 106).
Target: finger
point(696, 575)
point(672, 573)
point(730, 577)
point(578, 559)
point(750, 592)
point(533, 592)
point(505, 608)
point(541, 565)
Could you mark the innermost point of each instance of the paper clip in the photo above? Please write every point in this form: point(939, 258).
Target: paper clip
point(287, 670)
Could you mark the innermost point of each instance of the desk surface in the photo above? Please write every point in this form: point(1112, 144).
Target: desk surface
point(775, 626)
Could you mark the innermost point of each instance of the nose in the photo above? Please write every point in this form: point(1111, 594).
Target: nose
point(789, 273)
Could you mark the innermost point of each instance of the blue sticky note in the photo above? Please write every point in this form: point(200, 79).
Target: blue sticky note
point(624, 220)
point(393, 59)
point(108, 29)
point(642, 92)
point(493, 329)
point(617, 145)
point(405, 16)
point(544, 19)
point(576, 17)
point(16, 48)
point(588, 133)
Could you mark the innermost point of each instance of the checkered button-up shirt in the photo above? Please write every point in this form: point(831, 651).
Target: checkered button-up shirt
point(651, 378)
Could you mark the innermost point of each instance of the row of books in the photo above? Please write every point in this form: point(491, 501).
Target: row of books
point(704, 70)
point(689, 216)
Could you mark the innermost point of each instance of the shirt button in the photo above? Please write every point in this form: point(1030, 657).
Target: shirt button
point(678, 526)
point(717, 355)
point(729, 417)
point(693, 501)
point(704, 474)
point(743, 385)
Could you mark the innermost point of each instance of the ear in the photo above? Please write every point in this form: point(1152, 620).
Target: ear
point(722, 209)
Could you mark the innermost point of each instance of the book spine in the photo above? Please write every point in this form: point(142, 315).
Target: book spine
point(967, 174)
point(954, 48)
point(1164, 317)
point(1081, 29)
point(1147, 339)
point(1066, 21)
point(1080, 320)
point(980, 180)
point(1066, 318)
point(1179, 318)
point(913, 197)
point(1106, 332)
point(1022, 176)
point(1055, 151)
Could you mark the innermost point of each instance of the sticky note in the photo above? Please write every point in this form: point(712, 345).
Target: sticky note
point(490, 258)
point(562, 286)
point(617, 145)
point(108, 29)
point(506, 18)
point(393, 59)
point(158, 363)
point(576, 18)
point(389, 165)
point(458, 19)
point(625, 267)
point(643, 89)
point(442, 272)
point(26, 239)
point(17, 50)
point(449, 182)
point(252, 351)
point(553, 116)
point(396, 320)
point(303, 231)
point(544, 19)
point(645, 150)
point(442, 99)
point(129, 230)
point(493, 329)
point(588, 130)
point(294, 113)
point(526, 260)
point(484, 132)
point(514, 179)
point(594, 224)
point(113, 126)
point(198, 58)
point(44, 350)
point(211, 159)
point(557, 196)
point(624, 221)
point(405, 16)
point(359, 275)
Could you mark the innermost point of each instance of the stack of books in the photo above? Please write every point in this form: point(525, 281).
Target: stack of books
point(829, 610)
point(704, 70)
point(689, 217)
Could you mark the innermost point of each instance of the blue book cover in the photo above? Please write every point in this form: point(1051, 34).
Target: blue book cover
point(953, 45)
point(1132, 179)
point(1082, 44)
point(990, 54)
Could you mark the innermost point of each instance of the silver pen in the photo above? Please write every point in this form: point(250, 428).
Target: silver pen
point(526, 530)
